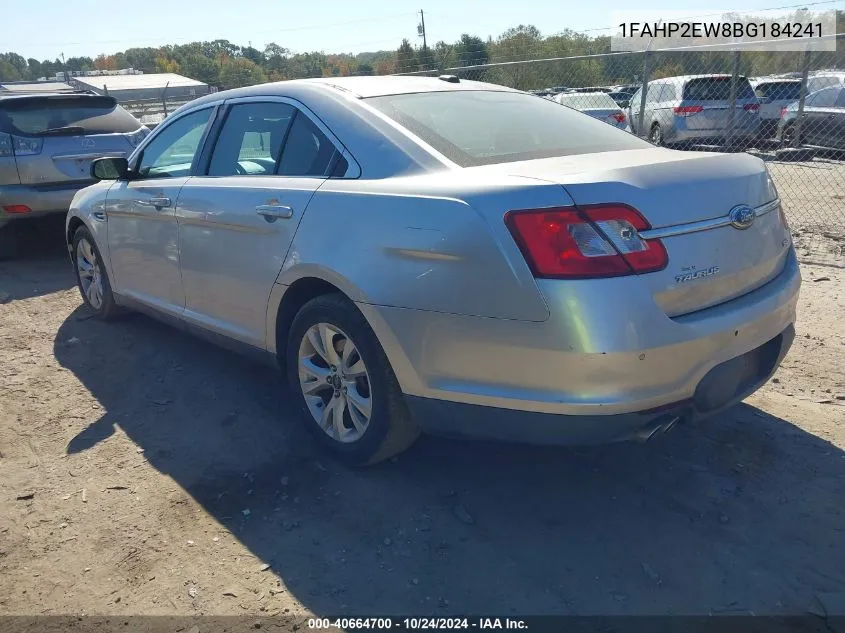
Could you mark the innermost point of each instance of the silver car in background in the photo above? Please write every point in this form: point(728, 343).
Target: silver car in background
point(440, 255)
point(695, 109)
point(774, 94)
point(599, 105)
point(47, 143)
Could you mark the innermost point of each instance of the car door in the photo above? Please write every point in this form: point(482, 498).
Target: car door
point(838, 121)
point(634, 111)
point(818, 111)
point(237, 221)
point(141, 215)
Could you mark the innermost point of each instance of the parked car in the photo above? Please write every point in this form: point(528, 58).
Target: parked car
point(774, 95)
point(695, 109)
point(825, 79)
point(47, 143)
point(591, 89)
point(823, 124)
point(447, 256)
point(621, 98)
point(598, 105)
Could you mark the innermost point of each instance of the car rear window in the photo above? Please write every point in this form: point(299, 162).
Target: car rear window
point(777, 90)
point(41, 116)
point(716, 89)
point(485, 127)
point(585, 101)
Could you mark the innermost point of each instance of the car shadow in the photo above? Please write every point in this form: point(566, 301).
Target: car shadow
point(42, 265)
point(743, 513)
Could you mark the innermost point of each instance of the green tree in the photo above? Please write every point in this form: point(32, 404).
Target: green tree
point(237, 72)
point(426, 59)
point(406, 58)
point(253, 54)
point(199, 67)
point(8, 72)
point(470, 51)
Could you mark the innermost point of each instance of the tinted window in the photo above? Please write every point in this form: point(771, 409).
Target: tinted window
point(307, 151)
point(823, 98)
point(779, 90)
point(171, 153)
point(716, 89)
point(72, 115)
point(251, 139)
point(840, 100)
point(669, 93)
point(483, 127)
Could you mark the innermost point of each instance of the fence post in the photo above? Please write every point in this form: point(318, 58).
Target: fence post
point(164, 98)
point(799, 119)
point(732, 99)
point(642, 133)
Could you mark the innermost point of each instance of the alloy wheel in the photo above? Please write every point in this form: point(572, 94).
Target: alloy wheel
point(90, 273)
point(334, 382)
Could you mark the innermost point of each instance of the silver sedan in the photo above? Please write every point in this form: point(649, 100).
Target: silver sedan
point(440, 255)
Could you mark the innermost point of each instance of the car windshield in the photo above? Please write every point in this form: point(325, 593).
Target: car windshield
point(77, 114)
point(586, 101)
point(484, 127)
point(790, 90)
point(716, 89)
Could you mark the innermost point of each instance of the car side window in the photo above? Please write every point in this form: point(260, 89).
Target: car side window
point(251, 139)
point(171, 153)
point(840, 100)
point(653, 94)
point(307, 151)
point(635, 99)
point(669, 93)
point(823, 98)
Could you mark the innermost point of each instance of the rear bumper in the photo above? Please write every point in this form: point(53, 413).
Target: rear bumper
point(680, 133)
point(608, 352)
point(721, 388)
point(41, 199)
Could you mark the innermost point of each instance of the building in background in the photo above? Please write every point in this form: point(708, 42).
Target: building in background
point(141, 87)
point(35, 86)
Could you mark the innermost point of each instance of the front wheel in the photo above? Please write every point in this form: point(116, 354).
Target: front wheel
point(91, 275)
point(655, 135)
point(344, 385)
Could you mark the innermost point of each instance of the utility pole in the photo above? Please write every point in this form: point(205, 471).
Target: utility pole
point(64, 67)
point(421, 28)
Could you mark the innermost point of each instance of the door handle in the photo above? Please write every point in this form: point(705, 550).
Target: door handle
point(161, 202)
point(273, 212)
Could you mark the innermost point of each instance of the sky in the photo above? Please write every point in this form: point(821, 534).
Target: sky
point(45, 29)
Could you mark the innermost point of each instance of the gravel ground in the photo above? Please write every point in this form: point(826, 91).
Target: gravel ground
point(143, 471)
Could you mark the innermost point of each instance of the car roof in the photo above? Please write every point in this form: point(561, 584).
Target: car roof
point(357, 87)
point(49, 95)
point(685, 78)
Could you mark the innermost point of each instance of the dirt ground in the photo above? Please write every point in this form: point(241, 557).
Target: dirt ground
point(143, 471)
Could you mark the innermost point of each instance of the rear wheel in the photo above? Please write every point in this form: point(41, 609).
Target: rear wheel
point(344, 385)
point(91, 275)
point(655, 135)
point(788, 136)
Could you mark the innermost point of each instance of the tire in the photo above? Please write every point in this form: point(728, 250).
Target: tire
point(655, 135)
point(9, 241)
point(788, 136)
point(389, 429)
point(85, 250)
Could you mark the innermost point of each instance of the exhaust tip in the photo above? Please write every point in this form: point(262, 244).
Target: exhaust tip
point(660, 426)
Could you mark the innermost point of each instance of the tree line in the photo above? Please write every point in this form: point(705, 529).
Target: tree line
point(224, 64)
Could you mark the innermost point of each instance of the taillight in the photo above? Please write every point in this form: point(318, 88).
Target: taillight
point(751, 107)
point(25, 146)
point(619, 117)
point(597, 241)
point(688, 110)
point(783, 112)
point(5, 145)
point(16, 208)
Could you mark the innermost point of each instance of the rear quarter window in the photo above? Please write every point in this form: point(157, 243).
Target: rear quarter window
point(779, 90)
point(77, 114)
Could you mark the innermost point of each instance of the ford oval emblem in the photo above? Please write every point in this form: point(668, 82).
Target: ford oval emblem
point(742, 217)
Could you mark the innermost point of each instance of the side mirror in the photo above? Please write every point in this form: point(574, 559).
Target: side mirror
point(109, 168)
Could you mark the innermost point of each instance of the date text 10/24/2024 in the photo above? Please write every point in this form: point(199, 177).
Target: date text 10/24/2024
point(417, 624)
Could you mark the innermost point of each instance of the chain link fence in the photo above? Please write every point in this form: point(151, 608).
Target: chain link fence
point(787, 108)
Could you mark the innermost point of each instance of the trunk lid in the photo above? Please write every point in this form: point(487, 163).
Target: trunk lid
point(687, 198)
point(68, 158)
